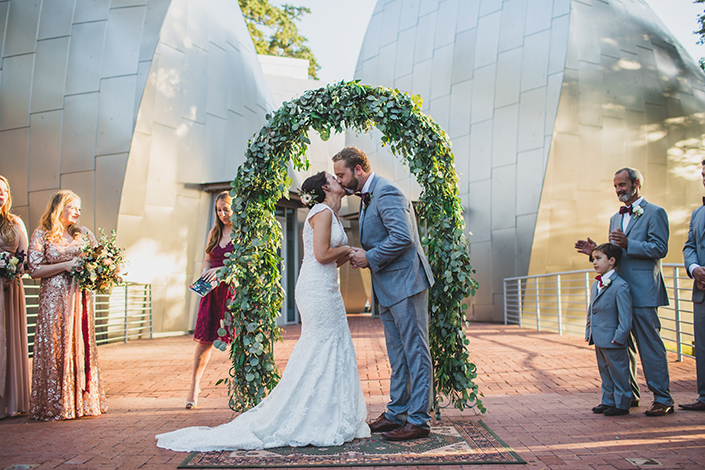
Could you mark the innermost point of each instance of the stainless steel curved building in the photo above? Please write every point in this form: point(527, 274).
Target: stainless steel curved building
point(544, 100)
point(132, 104)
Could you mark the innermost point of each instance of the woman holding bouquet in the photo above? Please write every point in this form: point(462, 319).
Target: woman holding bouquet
point(14, 364)
point(66, 382)
point(212, 306)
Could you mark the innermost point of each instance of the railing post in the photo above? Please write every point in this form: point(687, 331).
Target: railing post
point(587, 290)
point(504, 283)
point(149, 289)
point(558, 301)
point(519, 298)
point(538, 307)
point(677, 308)
point(125, 310)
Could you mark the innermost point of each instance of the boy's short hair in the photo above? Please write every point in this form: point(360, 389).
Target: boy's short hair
point(610, 250)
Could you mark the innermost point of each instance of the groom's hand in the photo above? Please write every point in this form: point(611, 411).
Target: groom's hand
point(358, 258)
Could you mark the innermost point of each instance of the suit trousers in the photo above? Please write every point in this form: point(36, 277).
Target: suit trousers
point(699, 326)
point(406, 333)
point(613, 364)
point(646, 333)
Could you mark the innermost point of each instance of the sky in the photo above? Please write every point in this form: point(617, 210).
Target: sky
point(335, 30)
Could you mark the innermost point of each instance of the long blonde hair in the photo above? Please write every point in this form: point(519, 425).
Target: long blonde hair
point(7, 219)
point(217, 232)
point(51, 219)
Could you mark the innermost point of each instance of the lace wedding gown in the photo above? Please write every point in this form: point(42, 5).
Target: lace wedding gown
point(319, 399)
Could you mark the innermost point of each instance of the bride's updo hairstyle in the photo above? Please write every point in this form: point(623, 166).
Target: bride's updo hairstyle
point(313, 186)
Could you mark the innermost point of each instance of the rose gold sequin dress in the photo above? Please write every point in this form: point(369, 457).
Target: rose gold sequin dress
point(66, 382)
point(14, 362)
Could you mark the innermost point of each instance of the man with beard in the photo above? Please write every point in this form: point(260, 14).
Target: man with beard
point(641, 230)
point(401, 277)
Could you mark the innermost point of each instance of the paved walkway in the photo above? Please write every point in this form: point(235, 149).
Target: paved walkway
point(538, 387)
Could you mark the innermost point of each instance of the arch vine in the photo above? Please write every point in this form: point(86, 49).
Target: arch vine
point(253, 266)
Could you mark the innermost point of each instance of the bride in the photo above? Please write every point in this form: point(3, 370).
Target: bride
point(319, 399)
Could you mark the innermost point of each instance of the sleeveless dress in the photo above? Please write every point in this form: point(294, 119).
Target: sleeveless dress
point(319, 399)
point(14, 360)
point(212, 307)
point(66, 381)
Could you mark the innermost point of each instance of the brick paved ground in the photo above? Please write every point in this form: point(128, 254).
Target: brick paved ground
point(538, 387)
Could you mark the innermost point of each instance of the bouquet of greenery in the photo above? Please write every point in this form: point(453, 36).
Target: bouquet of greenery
point(11, 264)
point(99, 267)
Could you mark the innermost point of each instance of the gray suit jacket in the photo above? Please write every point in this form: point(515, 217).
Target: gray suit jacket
point(640, 265)
point(609, 316)
point(694, 249)
point(389, 235)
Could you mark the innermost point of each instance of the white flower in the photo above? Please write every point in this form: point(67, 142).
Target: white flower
point(2, 263)
point(306, 198)
point(637, 211)
point(606, 282)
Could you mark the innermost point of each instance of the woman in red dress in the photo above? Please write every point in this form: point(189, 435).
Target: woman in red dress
point(213, 304)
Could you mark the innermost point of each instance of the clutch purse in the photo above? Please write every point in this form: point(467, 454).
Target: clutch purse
point(202, 287)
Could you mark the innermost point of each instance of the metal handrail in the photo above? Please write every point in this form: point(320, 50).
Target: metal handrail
point(545, 301)
point(123, 314)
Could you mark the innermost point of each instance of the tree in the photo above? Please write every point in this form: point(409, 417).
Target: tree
point(701, 33)
point(284, 41)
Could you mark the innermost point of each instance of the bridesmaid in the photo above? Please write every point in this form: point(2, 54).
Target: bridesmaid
point(14, 362)
point(213, 305)
point(66, 382)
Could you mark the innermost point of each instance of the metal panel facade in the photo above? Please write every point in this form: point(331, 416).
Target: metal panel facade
point(556, 95)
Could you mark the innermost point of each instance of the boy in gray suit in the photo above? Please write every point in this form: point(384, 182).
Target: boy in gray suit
point(609, 320)
point(401, 277)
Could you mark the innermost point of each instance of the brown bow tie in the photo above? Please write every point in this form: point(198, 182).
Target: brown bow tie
point(366, 198)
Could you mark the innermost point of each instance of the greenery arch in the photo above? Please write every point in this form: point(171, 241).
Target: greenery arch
point(263, 179)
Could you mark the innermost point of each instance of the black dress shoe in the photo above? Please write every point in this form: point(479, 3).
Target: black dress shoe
point(382, 424)
point(697, 406)
point(613, 411)
point(409, 431)
point(659, 409)
point(634, 404)
point(599, 409)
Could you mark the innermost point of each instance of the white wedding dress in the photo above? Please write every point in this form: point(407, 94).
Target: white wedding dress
point(319, 399)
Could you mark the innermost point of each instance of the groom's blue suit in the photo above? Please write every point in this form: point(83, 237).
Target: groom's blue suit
point(694, 253)
point(401, 277)
point(647, 236)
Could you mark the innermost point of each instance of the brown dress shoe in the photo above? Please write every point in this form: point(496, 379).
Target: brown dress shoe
point(697, 406)
point(409, 431)
point(659, 409)
point(382, 424)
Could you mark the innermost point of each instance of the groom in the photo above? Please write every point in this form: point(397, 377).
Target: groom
point(401, 277)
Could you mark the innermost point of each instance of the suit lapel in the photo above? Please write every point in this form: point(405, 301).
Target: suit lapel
point(635, 220)
point(601, 291)
point(699, 227)
point(363, 210)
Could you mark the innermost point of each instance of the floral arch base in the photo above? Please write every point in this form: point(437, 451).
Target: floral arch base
point(262, 180)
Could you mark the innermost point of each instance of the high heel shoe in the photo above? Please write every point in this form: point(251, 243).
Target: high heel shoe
point(190, 405)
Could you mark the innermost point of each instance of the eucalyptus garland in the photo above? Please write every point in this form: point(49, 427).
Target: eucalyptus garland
point(253, 266)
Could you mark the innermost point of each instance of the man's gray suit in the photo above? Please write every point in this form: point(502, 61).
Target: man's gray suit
point(609, 318)
point(401, 277)
point(694, 253)
point(640, 266)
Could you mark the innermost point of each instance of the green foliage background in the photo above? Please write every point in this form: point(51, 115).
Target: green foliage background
point(263, 179)
point(283, 39)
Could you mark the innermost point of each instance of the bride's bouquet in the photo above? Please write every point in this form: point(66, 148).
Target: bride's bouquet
point(99, 267)
point(11, 264)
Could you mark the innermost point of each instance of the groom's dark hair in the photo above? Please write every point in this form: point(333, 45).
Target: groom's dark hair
point(314, 185)
point(353, 156)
